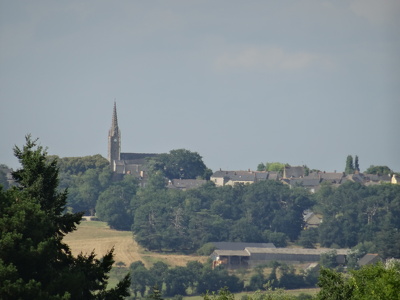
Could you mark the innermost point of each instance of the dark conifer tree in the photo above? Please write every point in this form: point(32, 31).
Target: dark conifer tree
point(356, 165)
point(34, 261)
point(349, 165)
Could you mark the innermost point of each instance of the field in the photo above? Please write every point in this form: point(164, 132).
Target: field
point(97, 236)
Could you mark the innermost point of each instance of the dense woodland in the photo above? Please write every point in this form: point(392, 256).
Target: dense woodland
point(173, 220)
point(364, 218)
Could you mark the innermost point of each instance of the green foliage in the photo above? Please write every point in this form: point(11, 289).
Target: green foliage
point(275, 166)
point(85, 188)
point(261, 167)
point(308, 238)
point(356, 164)
point(353, 213)
point(223, 294)
point(349, 169)
point(328, 259)
point(257, 282)
point(334, 286)
point(114, 204)
point(195, 277)
point(34, 262)
point(186, 220)
point(279, 239)
point(79, 165)
point(370, 282)
point(206, 249)
point(155, 294)
point(139, 278)
point(181, 163)
point(271, 167)
point(380, 170)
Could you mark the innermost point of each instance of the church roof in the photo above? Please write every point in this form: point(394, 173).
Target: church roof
point(137, 156)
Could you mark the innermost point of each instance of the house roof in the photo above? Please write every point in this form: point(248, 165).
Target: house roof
point(137, 156)
point(272, 175)
point(368, 258)
point(331, 177)
point(356, 177)
point(245, 175)
point(311, 219)
point(230, 253)
point(295, 250)
point(240, 246)
point(186, 183)
point(235, 175)
point(293, 172)
point(377, 177)
point(306, 182)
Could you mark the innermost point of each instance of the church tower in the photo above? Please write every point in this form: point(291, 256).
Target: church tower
point(114, 140)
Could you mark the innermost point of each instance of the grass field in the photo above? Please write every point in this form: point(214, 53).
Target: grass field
point(97, 236)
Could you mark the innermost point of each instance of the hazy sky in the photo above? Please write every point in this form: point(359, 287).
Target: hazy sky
point(239, 82)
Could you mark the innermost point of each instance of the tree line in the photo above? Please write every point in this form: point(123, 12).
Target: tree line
point(354, 215)
point(195, 279)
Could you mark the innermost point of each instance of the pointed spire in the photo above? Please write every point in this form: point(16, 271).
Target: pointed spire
point(114, 122)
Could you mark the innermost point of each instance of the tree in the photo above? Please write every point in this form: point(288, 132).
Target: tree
point(157, 273)
point(139, 278)
point(370, 282)
point(349, 165)
point(379, 170)
point(34, 261)
point(275, 167)
point(333, 286)
point(261, 167)
point(155, 293)
point(356, 164)
point(328, 259)
point(279, 239)
point(114, 204)
point(181, 163)
point(308, 238)
point(85, 189)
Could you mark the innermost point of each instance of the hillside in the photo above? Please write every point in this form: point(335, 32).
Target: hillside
point(97, 236)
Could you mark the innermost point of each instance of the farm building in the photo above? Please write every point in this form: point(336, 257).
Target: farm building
point(252, 257)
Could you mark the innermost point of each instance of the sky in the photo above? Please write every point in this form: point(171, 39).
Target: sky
point(303, 82)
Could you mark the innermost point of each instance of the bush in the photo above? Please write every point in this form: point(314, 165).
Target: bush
point(206, 249)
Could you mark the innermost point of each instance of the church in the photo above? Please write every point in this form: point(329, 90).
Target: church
point(124, 163)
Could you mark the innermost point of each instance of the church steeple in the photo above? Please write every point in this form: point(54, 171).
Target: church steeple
point(114, 139)
point(114, 122)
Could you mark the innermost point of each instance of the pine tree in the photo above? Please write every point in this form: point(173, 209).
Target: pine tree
point(155, 294)
point(356, 165)
point(349, 165)
point(34, 261)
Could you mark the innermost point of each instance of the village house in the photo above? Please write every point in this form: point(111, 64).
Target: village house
point(185, 184)
point(222, 178)
point(368, 259)
point(395, 179)
point(311, 220)
point(293, 172)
